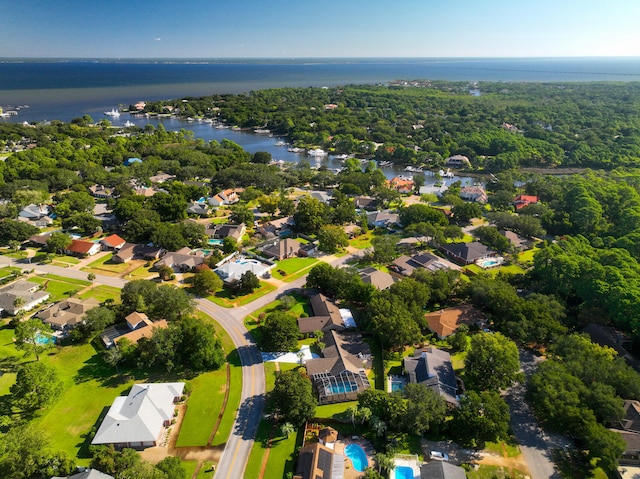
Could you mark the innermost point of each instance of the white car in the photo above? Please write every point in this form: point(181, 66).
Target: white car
point(438, 456)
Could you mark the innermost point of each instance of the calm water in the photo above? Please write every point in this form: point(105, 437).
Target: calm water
point(63, 90)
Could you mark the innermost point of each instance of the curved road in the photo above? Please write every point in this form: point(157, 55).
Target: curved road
point(238, 447)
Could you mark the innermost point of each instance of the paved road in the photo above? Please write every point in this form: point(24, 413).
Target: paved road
point(536, 445)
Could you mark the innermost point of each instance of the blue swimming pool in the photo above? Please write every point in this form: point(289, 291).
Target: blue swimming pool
point(403, 472)
point(44, 339)
point(342, 388)
point(396, 385)
point(357, 456)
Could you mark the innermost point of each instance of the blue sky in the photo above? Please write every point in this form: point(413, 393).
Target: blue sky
point(329, 28)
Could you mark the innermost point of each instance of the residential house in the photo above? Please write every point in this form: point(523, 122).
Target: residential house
point(67, 314)
point(326, 316)
point(21, 296)
point(366, 203)
point(524, 200)
point(402, 184)
point(137, 326)
point(225, 197)
point(379, 279)
point(474, 193)
point(145, 191)
point(518, 242)
point(316, 460)
point(232, 271)
point(161, 178)
point(130, 251)
point(139, 419)
point(432, 367)
point(112, 242)
point(629, 430)
point(101, 191)
point(406, 265)
point(199, 209)
point(321, 196)
point(83, 248)
point(282, 248)
point(466, 253)
point(39, 240)
point(441, 470)
point(383, 219)
point(340, 374)
point(612, 338)
point(220, 232)
point(37, 215)
point(181, 261)
point(444, 322)
point(87, 474)
point(279, 227)
point(308, 249)
point(457, 161)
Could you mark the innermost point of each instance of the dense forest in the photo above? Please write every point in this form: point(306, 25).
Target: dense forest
point(497, 126)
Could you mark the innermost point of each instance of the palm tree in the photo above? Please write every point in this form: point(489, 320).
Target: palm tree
point(91, 277)
point(287, 429)
point(384, 461)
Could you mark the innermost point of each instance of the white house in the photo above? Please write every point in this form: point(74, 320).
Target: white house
point(139, 419)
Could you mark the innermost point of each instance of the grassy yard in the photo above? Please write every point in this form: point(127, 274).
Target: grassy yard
point(331, 411)
point(495, 472)
point(8, 271)
point(106, 266)
point(363, 241)
point(226, 300)
point(205, 402)
point(102, 293)
point(301, 306)
point(58, 287)
point(293, 268)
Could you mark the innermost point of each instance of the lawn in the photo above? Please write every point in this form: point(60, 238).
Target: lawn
point(205, 403)
point(141, 272)
point(293, 268)
point(226, 300)
point(332, 411)
point(301, 306)
point(59, 288)
point(102, 293)
point(363, 241)
point(105, 266)
point(500, 448)
point(8, 271)
point(495, 472)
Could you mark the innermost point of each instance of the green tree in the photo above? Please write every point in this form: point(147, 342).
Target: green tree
point(492, 362)
point(206, 281)
point(165, 272)
point(426, 410)
point(286, 429)
point(421, 213)
point(172, 467)
point(309, 216)
point(229, 245)
point(200, 347)
point(241, 213)
point(58, 242)
point(292, 398)
point(279, 332)
point(480, 417)
point(269, 204)
point(248, 283)
point(384, 248)
point(93, 323)
point(463, 213)
point(29, 337)
point(331, 238)
point(37, 385)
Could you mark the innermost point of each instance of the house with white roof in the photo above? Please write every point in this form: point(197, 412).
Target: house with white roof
point(139, 419)
point(21, 296)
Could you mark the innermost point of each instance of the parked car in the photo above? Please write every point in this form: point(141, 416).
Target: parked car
point(438, 456)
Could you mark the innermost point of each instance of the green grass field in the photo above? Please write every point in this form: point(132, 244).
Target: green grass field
point(363, 241)
point(105, 266)
point(102, 293)
point(59, 288)
point(293, 268)
point(495, 472)
point(226, 300)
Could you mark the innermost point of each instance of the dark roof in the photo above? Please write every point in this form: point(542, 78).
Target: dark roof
point(441, 470)
point(467, 251)
point(432, 367)
point(406, 265)
point(327, 316)
point(631, 420)
point(606, 336)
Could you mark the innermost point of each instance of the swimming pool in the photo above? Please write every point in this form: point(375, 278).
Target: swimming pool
point(44, 339)
point(490, 262)
point(396, 384)
point(403, 472)
point(342, 388)
point(217, 242)
point(357, 456)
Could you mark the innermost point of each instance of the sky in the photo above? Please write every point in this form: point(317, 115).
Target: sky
point(318, 29)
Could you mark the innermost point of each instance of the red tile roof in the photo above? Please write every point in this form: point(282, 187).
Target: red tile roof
point(113, 241)
point(80, 246)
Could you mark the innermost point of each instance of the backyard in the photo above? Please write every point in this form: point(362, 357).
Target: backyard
point(293, 268)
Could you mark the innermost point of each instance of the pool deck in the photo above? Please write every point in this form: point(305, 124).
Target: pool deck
point(349, 471)
point(412, 463)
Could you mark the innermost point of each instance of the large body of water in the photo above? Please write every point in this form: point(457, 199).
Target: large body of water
point(63, 90)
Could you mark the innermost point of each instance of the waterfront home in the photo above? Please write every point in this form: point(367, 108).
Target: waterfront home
point(432, 367)
point(402, 184)
point(21, 296)
point(474, 193)
point(457, 161)
point(139, 419)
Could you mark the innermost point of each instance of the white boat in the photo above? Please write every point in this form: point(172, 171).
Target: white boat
point(317, 152)
point(114, 113)
point(281, 143)
point(295, 149)
point(129, 123)
point(341, 157)
point(261, 131)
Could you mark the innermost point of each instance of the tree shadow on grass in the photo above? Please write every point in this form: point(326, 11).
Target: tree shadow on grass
point(84, 451)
